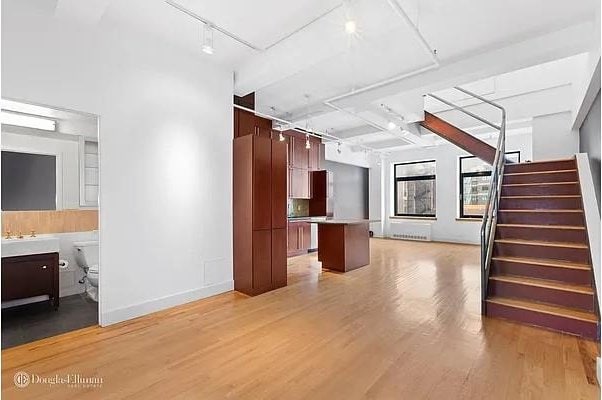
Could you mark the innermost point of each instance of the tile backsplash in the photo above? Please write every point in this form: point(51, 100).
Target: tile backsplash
point(298, 208)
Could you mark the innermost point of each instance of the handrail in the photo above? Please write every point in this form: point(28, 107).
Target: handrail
point(489, 222)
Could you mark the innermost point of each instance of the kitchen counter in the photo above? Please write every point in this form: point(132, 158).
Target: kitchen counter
point(344, 244)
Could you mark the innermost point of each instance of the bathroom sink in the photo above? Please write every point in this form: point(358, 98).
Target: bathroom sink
point(29, 245)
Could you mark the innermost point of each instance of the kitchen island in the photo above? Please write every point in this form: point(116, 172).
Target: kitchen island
point(343, 245)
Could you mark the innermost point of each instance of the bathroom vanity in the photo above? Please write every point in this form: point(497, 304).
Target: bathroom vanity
point(30, 268)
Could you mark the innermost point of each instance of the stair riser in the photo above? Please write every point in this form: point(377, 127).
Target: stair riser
point(540, 190)
point(544, 234)
point(577, 255)
point(536, 167)
point(540, 218)
point(576, 276)
point(544, 203)
point(552, 296)
point(570, 176)
point(567, 325)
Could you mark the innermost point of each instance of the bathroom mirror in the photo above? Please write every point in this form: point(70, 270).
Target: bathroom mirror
point(28, 181)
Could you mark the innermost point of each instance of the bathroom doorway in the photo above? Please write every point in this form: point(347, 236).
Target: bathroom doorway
point(50, 226)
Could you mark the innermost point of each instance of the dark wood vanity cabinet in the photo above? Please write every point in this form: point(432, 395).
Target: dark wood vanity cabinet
point(30, 276)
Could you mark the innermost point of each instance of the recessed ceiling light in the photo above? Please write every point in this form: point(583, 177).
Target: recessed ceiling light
point(391, 125)
point(350, 27)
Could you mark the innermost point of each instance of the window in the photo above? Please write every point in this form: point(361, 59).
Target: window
point(475, 175)
point(414, 189)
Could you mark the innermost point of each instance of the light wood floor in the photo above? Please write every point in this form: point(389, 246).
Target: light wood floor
point(405, 327)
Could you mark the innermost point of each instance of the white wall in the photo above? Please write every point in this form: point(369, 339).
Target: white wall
point(553, 137)
point(165, 153)
point(445, 227)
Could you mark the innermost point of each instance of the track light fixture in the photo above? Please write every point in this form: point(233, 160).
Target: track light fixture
point(207, 39)
point(280, 137)
point(307, 144)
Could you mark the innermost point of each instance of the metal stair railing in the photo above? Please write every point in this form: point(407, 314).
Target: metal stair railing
point(489, 222)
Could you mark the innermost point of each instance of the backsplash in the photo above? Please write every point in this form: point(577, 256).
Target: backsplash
point(298, 208)
point(49, 221)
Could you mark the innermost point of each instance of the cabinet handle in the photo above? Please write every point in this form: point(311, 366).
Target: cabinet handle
point(44, 267)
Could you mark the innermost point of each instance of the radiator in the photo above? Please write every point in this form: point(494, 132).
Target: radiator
point(410, 231)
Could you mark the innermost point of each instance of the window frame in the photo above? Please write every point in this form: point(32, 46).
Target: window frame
point(472, 175)
point(396, 180)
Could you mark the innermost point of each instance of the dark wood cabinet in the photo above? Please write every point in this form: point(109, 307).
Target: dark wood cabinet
point(299, 237)
point(259, 213)
point(320, 204)
point(299, 184)
point(262, 182)
point(279, 252)
point(247, 123)
point(29, 276)
point(300, 155)
point(314, 155)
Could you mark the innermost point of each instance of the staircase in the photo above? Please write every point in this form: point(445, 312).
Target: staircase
point(535, 258)
point(462, 139)
point(540, 271)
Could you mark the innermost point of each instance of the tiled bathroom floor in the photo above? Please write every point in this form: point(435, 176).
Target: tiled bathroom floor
point(24, 324)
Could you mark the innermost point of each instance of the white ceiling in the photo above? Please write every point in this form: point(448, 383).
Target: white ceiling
point(302, 48)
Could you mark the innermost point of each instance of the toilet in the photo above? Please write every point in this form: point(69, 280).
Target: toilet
point(86, 256)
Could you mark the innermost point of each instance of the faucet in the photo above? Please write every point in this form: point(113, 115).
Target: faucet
point(20, 236)
point(33, 233)
point(7, 235)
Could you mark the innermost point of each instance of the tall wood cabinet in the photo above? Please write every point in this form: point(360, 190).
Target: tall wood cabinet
point(259, 211)
point(301, 162)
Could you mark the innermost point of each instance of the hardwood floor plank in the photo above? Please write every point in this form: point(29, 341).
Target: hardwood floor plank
point(406, 326)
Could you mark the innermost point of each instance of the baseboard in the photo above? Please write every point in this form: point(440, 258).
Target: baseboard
point(140, 309)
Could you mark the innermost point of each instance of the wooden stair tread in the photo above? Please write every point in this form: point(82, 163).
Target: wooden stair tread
point(544, 262)
point(559, 196)
point(542, 210)
point(542, 243)
point(543, 283)
point(544, 161)
point(540, 183)
point(567, 227)
point(545, 308)
point(539, 172)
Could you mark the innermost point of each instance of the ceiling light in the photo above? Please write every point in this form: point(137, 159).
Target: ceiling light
point(28, 121)
point(281, 137)
point(339, 148)
point(350, 27)
point(307, 144)
point(391, 125)
point(207, 39)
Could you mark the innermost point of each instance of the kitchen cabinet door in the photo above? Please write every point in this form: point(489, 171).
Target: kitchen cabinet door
point(299, 185)
point(300, 153)
point(314, 155)
point(262, 171)
point(246, 123)
point(262, 261)
point(279, 184)
point(292, 237)
point(305, 236)
point(279, 252)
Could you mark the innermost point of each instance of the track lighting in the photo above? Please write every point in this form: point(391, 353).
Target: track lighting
point(280, 137)
point(391, 125)
point(307, 144)
point(339, 148)
point(207, 39)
